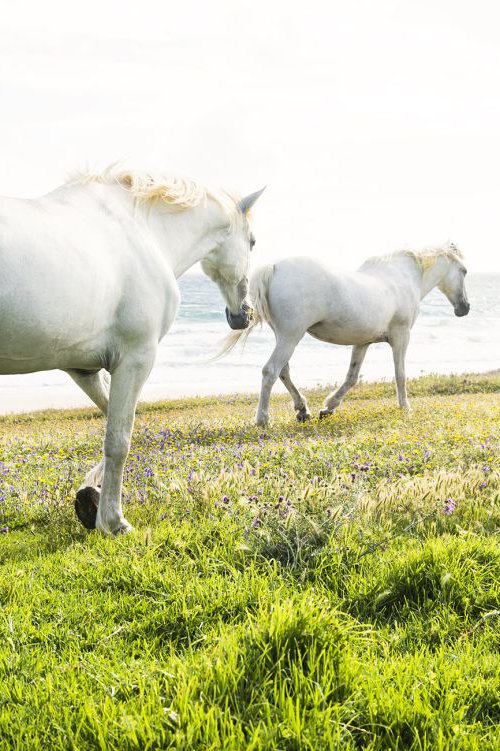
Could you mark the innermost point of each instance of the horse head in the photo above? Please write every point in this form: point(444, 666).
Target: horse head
point(227, 264)
point(452, 284)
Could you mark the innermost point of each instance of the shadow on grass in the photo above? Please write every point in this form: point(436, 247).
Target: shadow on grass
point(42, 534)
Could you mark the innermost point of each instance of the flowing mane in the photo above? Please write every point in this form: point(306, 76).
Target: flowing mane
point(176, 192)
point(425, 258)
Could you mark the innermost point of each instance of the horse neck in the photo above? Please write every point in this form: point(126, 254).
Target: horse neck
point(187, 236)
point(432, 276)
point(183, 237)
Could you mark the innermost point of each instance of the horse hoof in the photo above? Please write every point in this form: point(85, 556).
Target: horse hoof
point(86, 503)
point(324, 413)
point(303, 415)
point(123, 529)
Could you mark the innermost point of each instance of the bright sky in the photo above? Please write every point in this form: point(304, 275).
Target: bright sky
point(375, 125)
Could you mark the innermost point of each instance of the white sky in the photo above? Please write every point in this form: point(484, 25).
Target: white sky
point(376, 125)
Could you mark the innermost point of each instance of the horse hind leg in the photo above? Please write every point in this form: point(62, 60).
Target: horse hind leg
point(96, 386)
point(335, 398)
point(299, 401)
point(87, 496)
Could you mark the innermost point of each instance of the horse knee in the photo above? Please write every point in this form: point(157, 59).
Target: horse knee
point(269, 373)
point(116, 446)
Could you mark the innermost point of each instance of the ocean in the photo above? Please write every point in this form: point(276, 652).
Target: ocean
point(440, 343)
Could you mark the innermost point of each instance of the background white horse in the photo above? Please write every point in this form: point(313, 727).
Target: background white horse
point(378, 303)
point(88, 285)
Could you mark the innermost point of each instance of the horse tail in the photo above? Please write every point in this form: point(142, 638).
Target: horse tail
point(259, 296)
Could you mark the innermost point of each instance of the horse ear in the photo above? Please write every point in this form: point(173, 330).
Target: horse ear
point(246, 203)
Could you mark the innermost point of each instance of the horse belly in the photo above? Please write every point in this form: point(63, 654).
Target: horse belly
point(43, 332)
point(348, 324)
point(335, 334)
point(18, 366)
point(29, 354)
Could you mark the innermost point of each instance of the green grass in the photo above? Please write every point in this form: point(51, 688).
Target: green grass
point(269, 597)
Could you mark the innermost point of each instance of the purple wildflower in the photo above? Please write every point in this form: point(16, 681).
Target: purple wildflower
point(449, 507)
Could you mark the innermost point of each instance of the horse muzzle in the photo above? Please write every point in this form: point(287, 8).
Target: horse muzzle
point(462, 309)
point(241, 320)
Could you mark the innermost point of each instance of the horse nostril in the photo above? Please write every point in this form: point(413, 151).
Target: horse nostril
point(462, 309)
point(239, 321)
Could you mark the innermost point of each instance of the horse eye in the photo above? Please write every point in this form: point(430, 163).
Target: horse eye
point(252, 242)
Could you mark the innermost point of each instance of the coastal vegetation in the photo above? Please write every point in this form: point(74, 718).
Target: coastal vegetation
point(327, 585)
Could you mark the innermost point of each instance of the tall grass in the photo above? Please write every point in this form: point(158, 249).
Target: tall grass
point(269, 597)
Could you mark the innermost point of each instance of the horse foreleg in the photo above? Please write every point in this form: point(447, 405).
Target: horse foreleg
point(334, 399)
point(399, 342)
point(103, 510)
point(282, 353)
point(95, 385)
point(299, 401)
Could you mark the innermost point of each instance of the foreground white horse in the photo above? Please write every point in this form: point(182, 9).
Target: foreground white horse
point(88, 285)
point(378, 303)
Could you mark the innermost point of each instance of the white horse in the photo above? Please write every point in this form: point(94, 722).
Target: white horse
point(88, 285)
point(378, 303)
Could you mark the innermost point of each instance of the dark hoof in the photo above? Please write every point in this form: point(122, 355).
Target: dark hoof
point(324, 413)
point(303, 415)
point(86, 503)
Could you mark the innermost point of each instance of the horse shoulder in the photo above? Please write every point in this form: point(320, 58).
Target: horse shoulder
point(149, 302)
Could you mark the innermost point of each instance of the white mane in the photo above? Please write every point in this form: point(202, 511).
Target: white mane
point(425, 258)
point(176, 192)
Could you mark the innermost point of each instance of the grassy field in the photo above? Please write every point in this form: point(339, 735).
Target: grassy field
point(274, 594)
